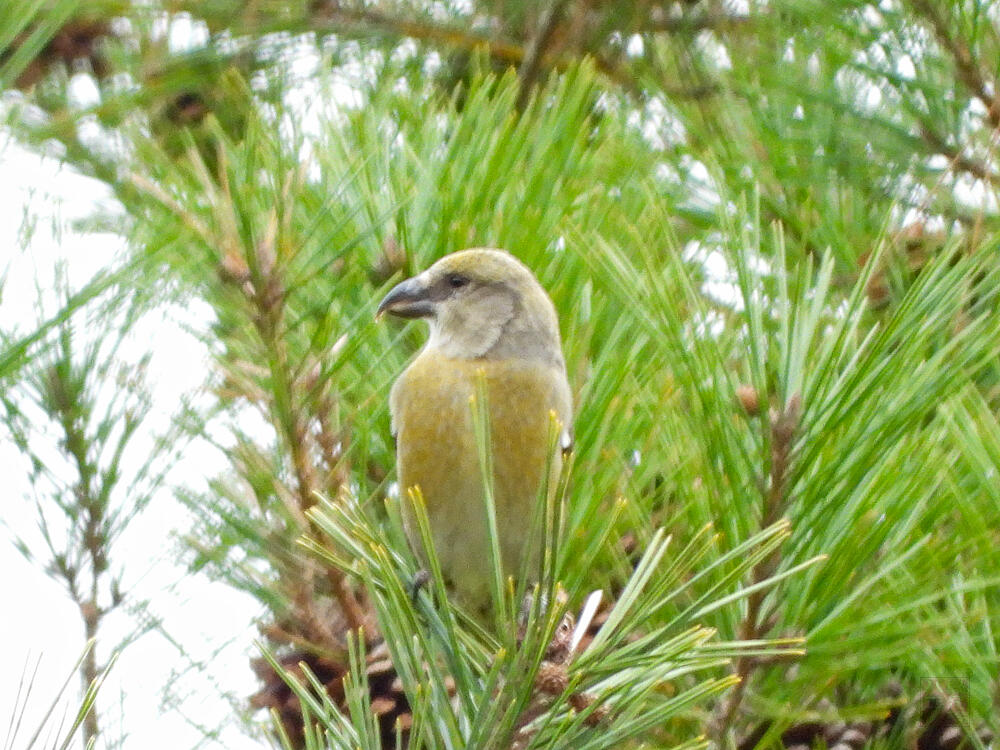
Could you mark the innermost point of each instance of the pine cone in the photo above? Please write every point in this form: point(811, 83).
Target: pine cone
point(78, 39)
point(932, 725)
point(387, 700)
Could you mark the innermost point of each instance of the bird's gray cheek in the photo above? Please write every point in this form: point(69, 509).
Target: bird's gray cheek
point(493, 311)
point(477, 324)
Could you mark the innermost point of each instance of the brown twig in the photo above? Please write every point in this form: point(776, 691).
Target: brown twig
point(969, 72)
point(505, 51)
point(957, 160)
point(84, 565)
point(783, 425)
point(693, 23)
point(536, 51)
point(551, 681)
point(269, 296)
point(259, 274)
point(76, 444)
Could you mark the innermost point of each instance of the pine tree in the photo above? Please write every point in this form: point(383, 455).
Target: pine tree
point(771, 236)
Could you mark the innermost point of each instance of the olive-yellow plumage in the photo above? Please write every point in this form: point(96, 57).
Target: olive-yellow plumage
point(491, 322)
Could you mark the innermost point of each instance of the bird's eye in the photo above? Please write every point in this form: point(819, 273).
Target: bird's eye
point(457, 281)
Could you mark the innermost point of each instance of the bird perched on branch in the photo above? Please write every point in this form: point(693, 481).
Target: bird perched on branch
point(492, 325)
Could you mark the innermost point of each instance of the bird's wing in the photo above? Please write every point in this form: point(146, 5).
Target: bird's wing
point(394, 405)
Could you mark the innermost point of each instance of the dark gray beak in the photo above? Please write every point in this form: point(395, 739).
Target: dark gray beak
point(408, 299)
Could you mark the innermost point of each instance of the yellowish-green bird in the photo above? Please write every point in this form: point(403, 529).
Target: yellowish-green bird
point(491, 322)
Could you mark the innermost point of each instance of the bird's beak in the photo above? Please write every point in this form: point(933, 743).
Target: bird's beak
point(408, 299)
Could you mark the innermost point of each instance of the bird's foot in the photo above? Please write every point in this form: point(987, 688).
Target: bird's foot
point(420, 579)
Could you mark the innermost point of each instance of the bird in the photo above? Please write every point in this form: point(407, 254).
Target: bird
point(491, 324)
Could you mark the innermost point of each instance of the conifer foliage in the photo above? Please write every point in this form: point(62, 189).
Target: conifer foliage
point(771, 233)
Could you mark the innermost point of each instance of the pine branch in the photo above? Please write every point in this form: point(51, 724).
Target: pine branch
point(970, 70)
point(505, 51)
point(528, 71)
point(782, 425)
point(269, 299)
point(957, 158)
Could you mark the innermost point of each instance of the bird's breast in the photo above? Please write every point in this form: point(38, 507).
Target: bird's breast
point(432, 412)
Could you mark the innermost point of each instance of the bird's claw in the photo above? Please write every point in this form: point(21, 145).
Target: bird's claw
point(420, 579)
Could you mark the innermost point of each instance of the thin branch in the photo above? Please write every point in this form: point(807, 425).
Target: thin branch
point(707, 21)
point(269, 298)
point(783, 425)
point(959, 161)
point(528, 72)
point(502, 50)
point(969, 71)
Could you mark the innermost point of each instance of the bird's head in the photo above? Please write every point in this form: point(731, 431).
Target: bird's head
point(480, 303)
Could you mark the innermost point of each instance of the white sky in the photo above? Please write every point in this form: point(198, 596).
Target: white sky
point(213, 623)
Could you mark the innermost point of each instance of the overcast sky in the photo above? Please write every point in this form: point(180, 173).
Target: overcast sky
point(213, 623)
